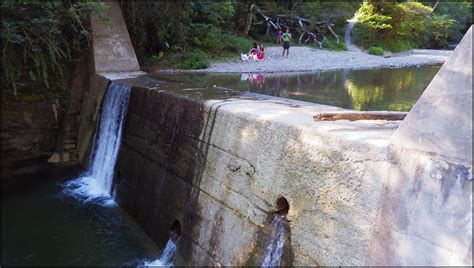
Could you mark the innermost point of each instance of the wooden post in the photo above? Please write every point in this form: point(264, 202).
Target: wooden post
point(354, 115)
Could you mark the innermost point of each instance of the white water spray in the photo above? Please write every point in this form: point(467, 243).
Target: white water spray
point(96, 183)
point(274, 248)
point(166, 259)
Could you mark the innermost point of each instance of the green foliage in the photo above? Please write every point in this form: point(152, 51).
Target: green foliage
point(235, 43)
point(195, 59)
point(398, 26)
point(176, 28)
point(337, 11)
point(376, 51)
point(331, 44)
point(458, 11)
point(40, 42)
point(219, 14)
point(399, 45)
point(200, 31)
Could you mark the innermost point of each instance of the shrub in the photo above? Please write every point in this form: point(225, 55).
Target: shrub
point(234, 43)
point(332, 45)
point(398, 45)
point(195, 59)
point(376, 51)
point(401, 25)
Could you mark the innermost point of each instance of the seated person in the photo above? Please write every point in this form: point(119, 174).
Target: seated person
point(261, 52)
point(252, 54)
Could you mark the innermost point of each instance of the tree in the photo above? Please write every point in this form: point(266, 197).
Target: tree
point(40, 42)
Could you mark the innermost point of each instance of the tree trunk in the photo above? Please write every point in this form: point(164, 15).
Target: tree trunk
point(353, 116)
point(248, 21)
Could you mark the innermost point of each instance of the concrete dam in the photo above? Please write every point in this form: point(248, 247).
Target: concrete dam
point(256, 181)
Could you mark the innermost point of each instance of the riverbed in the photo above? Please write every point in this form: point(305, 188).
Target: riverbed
point(307, 59)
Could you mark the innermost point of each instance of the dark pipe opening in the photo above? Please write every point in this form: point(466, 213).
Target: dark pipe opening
point(175, 230)
point(175, 227)
point(282, 206)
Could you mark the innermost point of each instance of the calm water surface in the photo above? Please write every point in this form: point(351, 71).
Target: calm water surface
point(41, 228)
point(374, 89)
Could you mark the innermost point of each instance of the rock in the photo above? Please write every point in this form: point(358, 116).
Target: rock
point(29, 132)
point(54, 158)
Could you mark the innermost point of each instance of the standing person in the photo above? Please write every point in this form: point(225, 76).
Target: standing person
point(279, 33)
point(286, 42)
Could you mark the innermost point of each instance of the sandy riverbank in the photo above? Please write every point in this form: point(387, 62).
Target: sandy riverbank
point(306, 59)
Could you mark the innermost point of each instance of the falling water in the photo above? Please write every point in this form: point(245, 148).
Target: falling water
point(274, 248)
point(167, 258)
point(96, 183)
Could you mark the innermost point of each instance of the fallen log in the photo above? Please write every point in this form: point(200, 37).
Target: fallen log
point(354, 115)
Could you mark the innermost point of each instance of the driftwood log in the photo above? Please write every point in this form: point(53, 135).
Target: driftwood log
point(310, 30)
point(353, 116)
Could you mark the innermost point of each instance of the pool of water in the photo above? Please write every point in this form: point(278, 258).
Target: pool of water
point(42, 227)
point(393, 89)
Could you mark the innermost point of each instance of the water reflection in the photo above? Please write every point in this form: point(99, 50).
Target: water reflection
point(375, 89)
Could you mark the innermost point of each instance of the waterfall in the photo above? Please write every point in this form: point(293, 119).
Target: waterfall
point(96, 182)
point(167, 258)
point(274, 248)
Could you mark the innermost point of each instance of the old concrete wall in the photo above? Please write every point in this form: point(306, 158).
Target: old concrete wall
point(89, 116)
point(113, 50)
point(331, 173)
point(441, 120)
point(219, 167)
point(113, 57)
point(28, 132)
point(425, 214)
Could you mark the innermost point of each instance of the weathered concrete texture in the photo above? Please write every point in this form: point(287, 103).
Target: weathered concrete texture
point(262, 149)
point(66, 149)
point(89, 116)
point(219, 167)
point(113, 50)
point(441, 120)
point(425, 215)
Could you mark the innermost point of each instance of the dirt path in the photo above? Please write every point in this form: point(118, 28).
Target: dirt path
point(348, 36)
